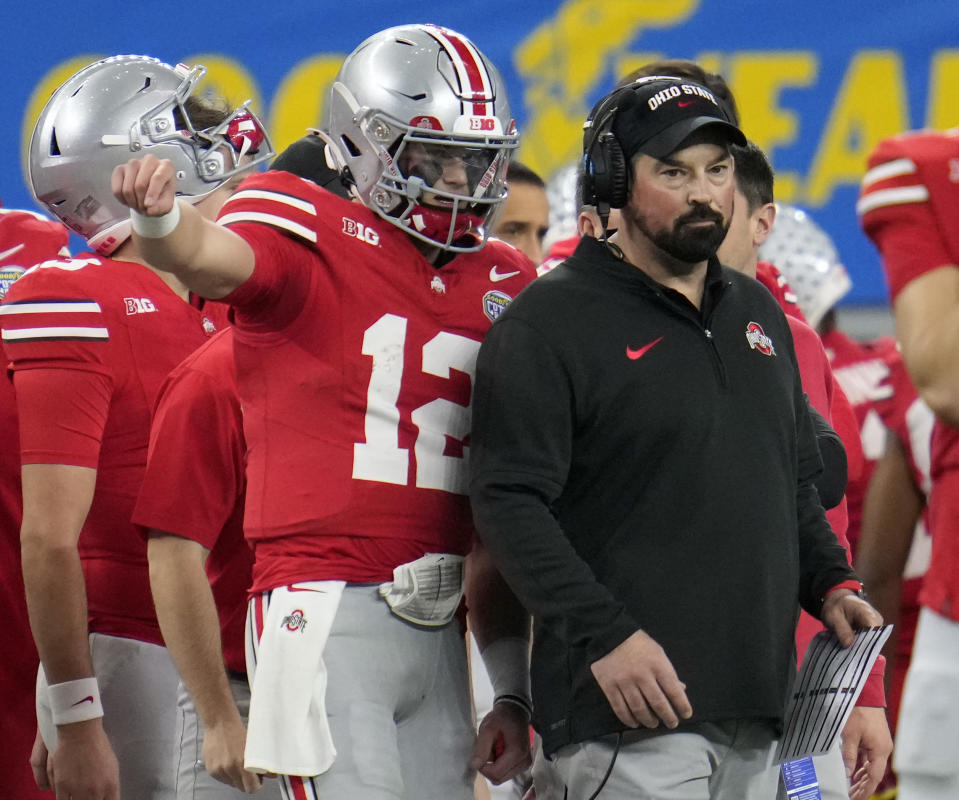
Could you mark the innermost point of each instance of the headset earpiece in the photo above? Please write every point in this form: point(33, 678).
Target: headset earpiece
point(606, 176)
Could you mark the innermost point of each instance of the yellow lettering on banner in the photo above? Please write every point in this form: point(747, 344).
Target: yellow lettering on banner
point(568, 56)
point(48, 84)
point(870, 105)
point(757, 79)
point(298, 101)
point(228, 79)
point(943, 97)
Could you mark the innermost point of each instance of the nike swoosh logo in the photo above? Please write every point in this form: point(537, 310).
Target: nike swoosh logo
point(87, 699)
point(304, 589)
point(683, 104)
point(635, 354)
point(11, 251)
point(500, 276)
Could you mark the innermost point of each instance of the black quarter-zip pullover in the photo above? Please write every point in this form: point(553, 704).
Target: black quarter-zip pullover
point(640, 463)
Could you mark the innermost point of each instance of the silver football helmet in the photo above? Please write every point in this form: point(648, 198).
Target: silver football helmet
point(807, 257)
point(419, 124)
point(112, 111)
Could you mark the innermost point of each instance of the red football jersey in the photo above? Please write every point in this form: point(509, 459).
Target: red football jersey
point(875, 380)
point(827, 397)
point(91, 340)
point(876, 383)
point(907, 206)
point(354, 361)
point(25, 238)
point(770, 277)
point(559, 251)
point(197, 457)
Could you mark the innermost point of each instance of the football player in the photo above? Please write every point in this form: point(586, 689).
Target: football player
point(524, 221)
point(894, 426)
point(357, 329)
point(25, 239)
point(908, 206)
point(90, 340)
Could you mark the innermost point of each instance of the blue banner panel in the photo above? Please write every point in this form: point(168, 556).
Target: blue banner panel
point(817, 85)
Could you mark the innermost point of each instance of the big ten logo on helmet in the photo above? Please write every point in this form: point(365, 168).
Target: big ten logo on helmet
point(482, 124)
point(360, 231)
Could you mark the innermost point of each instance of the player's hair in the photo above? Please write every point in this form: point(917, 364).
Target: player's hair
point(689, 71)
point(518, 172)
point(205, 112)
point(754, 175)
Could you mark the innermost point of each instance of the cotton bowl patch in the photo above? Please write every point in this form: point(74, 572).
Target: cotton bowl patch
point(8, 276)
point(494, 303)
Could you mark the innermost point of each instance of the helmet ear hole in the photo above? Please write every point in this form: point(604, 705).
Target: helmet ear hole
point(351, 147)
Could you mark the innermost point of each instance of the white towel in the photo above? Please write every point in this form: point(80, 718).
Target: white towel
point(288, 732)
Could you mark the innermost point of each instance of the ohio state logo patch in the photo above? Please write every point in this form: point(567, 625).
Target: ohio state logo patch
point(295, 621)
point(758, 340)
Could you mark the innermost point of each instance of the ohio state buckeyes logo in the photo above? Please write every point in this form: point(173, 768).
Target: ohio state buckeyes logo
point(758, 340)
point(295, 621)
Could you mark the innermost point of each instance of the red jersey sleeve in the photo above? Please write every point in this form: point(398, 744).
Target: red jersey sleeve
point(276, 213)
point(196, 448)
point(56, 340)
point(907, 202)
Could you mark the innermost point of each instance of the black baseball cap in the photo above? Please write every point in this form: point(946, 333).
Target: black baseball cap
point(655, 115)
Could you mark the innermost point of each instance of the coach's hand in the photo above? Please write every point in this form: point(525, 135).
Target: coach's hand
point(844, 612)
point(641, 685)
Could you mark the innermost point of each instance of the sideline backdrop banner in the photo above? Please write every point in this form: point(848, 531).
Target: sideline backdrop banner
point(817, 83)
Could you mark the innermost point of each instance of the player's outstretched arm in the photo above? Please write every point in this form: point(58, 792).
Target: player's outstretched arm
point(191, 629)
point(173, 236)
point(56, 499)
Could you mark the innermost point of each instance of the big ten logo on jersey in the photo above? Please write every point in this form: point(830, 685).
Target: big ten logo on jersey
point(360, 231)
point(440, 426)
point(139, 305)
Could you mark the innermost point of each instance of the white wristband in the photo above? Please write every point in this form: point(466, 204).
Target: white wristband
point(75, 701)
point(155, 227)
point(507, 663)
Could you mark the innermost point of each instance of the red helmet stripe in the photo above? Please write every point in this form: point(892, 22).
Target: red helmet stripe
point(474, 79)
